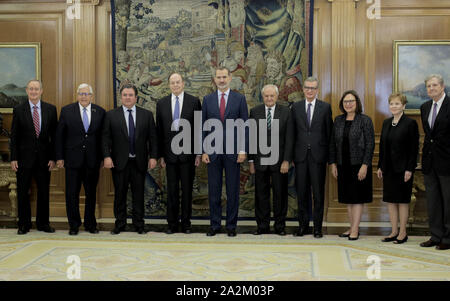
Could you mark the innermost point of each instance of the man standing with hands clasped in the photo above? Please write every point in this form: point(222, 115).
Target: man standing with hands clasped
point(129, 148)
point(273, 176)
point(78, 150)
point(33, 155)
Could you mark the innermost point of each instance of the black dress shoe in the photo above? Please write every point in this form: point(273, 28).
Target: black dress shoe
point(318, 234)
point(281, 232)
point(170, 231)
point(22, 230)
point(429, 243)
point(116, 230)
point(141, 230)
point(212, 232)
point(302, 231)
point(400, 241)
point(231, 232)
point(186, 231)
point(261, 231)
point(389, 239)
point(93, 230)
point(73, 231)
point(443, 246)
point(47, 229)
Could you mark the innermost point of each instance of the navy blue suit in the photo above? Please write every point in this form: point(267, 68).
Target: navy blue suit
point(236, 108)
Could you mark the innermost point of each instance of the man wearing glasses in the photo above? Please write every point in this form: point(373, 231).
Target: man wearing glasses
point(312, 122)
point(78, 150)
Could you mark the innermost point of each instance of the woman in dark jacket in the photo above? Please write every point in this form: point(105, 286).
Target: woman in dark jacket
point(399, 146)
point(351, 152)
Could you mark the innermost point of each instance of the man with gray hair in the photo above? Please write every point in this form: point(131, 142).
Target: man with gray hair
point(78, 150)
point(273, 176)
point(312, 123)
point(436, 161)
point(33, 155)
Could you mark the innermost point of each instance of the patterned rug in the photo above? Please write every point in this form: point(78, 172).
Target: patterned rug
point(157, 256)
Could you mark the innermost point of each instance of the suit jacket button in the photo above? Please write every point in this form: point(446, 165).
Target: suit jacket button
point(85, 136)
point(84, 146)
point(431, 140)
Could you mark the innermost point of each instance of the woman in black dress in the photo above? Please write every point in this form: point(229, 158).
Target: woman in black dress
point(351, 151)
point(399, 145)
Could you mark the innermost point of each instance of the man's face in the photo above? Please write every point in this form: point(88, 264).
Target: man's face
point(434, 89)
point(222, 79)
point(176, 84)
point(129, 98)
point(34, 91)
point(310, 89)
point(270, 96)
point(84, 96)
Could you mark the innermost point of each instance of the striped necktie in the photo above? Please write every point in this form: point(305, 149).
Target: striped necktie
point(37, 127)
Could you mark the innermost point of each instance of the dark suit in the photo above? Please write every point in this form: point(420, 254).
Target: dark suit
point(236, 108)
point(179, 168)
point(81, 152)
point(128, 170)
point(268, 176)
point(310, 158)
point(436, 168)
point(33, 155)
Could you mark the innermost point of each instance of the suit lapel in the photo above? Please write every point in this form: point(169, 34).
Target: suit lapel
point(426, 125)
point(441, 113)
point(316, 112)
point(215, 104)
point(138, 120)
point(186, 107)
point(93, 118)
point(44, 117)
point(76, 112)
point(277, 112)
point(121, 116)
point(228, 106)
point(303, 112)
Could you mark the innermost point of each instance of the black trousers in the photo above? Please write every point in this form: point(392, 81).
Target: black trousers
point(264, 181)
point(438, 205)
point(310, 173)
point(74, 178)
point(179, 173)
point(129, 176)
point(42, 177)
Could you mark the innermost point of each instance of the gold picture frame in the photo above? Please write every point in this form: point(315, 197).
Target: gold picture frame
point(413, 61)
point(21, 62)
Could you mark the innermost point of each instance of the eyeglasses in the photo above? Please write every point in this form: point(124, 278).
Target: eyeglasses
point(309, 88)
point(349, 101)
point(84, 94)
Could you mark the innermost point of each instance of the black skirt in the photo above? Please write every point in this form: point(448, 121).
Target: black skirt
point(350, 189)
point(395, 190)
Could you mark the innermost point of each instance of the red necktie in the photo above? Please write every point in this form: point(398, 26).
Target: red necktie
point(222, 107)
point(36, 121)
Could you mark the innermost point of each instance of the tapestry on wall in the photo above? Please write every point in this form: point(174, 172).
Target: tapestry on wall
point(261, 42)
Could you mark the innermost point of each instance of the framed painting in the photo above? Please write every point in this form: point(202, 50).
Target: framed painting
point(413, 61)
point(20, 63)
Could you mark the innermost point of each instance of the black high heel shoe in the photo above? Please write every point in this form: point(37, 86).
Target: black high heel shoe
point(389, 239)
point(344, 235)
point(353, 238)
point(400, 241)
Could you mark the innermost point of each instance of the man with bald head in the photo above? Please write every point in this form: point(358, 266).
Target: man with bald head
point(33, 155)
point(78, 150)
point(180, 168)
point(274, 176)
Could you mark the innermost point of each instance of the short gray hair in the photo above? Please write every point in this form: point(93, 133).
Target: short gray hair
point(82, 86)
point(34, 80)
point(311, 79)
point(270, 86)
point(436, 76)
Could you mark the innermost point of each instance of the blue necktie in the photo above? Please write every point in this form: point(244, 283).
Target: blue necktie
point(176, 113)
point(85, 120)
point(308, 115)
point(131, 132)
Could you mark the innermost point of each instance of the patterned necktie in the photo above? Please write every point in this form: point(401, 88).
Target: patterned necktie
point(269, 119)
point(85, 120)
point(176, 113)
point(131, 131)
point(308, 115)
point(433, 117)
point(222, 107)
point(36, 120)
